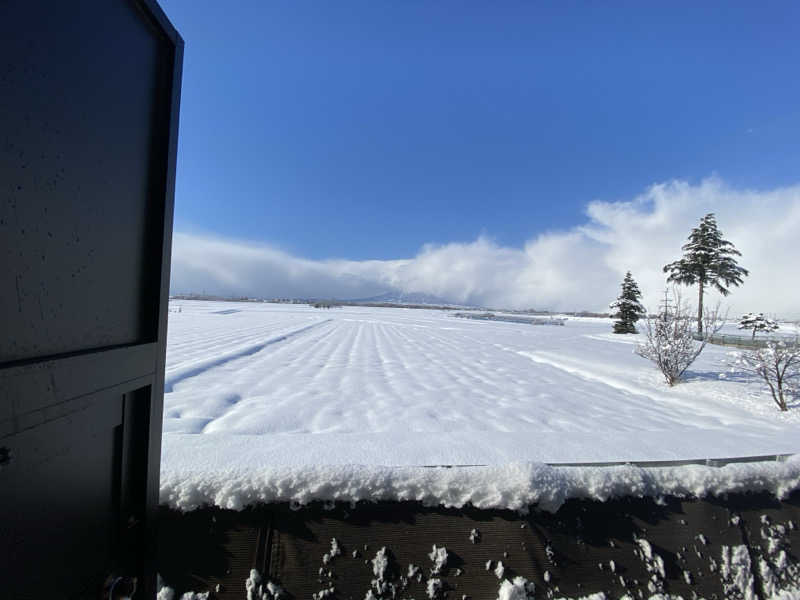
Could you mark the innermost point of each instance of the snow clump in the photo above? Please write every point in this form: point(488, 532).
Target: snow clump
point(439, 558)
point(257, 590)
point(499, 570)
point(654, 565)
point(518, 589)
point(166, 593)
point(433, 588)
point(737, 575)
point(379, 564)
point(335, 551)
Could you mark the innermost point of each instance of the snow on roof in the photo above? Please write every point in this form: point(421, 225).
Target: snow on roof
point(514, 486)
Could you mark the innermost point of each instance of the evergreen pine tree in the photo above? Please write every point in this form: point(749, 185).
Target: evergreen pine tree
point(757, 322)
point(629, 310)
point(707, 261)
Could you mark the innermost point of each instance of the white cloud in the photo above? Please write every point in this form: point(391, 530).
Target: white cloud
point(579, 268)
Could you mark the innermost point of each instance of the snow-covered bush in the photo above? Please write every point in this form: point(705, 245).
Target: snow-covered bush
point(757, 322)
point(778, 364)
point(670, 340)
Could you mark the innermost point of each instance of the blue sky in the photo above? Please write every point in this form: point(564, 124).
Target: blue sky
point(363, 130)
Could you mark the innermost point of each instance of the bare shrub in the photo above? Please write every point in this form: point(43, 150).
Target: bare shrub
point(670, 339)
point(778, 364)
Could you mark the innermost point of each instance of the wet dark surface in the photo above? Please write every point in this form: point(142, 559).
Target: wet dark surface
point(618, 547)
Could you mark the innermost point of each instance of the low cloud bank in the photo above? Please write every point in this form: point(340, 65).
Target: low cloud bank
point(575, 269)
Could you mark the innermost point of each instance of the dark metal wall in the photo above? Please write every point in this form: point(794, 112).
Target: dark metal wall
point(89, 98)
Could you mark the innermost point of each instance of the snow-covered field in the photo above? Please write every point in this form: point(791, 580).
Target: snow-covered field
point(258, 393)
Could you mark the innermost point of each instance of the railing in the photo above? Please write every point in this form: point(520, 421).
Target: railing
point(746, 341)
point(705, 462)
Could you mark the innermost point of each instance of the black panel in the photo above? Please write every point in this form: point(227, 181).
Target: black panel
point(84, 107)
point(34, 394)
point(61, 504)
point(89, 98)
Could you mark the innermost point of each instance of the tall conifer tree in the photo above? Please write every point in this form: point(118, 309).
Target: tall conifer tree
point(708, 260)
point(629, 310)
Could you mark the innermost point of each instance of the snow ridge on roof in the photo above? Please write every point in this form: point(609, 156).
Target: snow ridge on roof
point(515, 486)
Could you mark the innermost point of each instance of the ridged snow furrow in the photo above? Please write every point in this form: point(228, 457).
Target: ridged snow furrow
point(421, 387)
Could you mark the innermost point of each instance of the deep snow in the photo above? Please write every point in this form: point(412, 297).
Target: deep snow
point(278, 402)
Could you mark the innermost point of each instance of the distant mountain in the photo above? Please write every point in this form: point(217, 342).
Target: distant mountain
point(408, 298)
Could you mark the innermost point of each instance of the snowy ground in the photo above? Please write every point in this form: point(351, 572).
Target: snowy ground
point(252, 388)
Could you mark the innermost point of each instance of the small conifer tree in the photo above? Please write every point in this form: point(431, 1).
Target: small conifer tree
point(757, 322)
point(629, 309)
